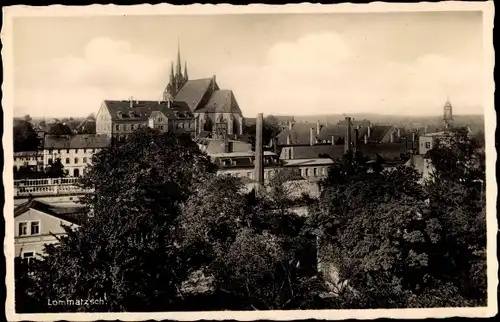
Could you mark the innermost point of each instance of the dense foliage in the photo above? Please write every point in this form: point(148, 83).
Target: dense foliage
point(164, 233)
point(25, 138)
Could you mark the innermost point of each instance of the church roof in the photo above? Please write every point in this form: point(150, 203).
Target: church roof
point(221, 101)
point(141, 110)
point(388, 151)
point(194, 91)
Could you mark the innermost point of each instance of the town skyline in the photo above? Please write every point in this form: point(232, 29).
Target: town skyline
point(259, 57)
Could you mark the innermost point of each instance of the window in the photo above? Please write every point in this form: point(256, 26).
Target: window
point(67, 151)
point(76, 173)
point(117, 127)
point(307, 172)
point(427, 145)
point(161, 127)
point(23, 228)
point(249, 174)
point(84, 160)
point(84, 150)
point(315, 172)
point(236, 174)
point(76, 160)
point(50, 161)
point(35, 227)
point(28, 256)
point(67, 160)
point(160, 119)
point(132, 127)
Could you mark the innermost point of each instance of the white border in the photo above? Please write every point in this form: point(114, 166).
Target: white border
point(487, 8)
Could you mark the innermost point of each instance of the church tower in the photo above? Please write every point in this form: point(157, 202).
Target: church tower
point(176, 78)
point(447, 114)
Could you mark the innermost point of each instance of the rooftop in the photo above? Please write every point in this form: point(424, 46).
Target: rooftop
point(72, 214)
point(307, 162)
point(77, 141)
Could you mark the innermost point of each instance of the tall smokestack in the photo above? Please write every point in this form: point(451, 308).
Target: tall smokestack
point(288, 139)
point(366, 139)
point(226, 142)
point(290, 125)
point(317, 127)
point(259, 155)
point(369, 130)
point(333, 139)
point(392, 136)
point(356, 135)
point(312, 138)
point(348, 139)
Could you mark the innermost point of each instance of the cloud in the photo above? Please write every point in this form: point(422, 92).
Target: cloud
point(322, 73)
point(76, 85)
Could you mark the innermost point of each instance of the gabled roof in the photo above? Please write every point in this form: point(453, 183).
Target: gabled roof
point(73, 215)
point(221, 101)
point(300, 134)
point(378, 132)
point(339, 132)
point(77, 141)
point(141, 110)
point(193, 92)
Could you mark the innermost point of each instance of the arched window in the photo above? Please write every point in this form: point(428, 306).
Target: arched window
point(76, 172)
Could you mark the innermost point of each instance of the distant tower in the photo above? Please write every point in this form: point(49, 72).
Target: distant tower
point(176, 79)
point(447, 114)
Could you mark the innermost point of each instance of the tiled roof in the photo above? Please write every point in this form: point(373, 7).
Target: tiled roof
point(77, 141)
point(388, 151)
point(141, 110)
point(340, 132)
point(71, 214)
point(221, 101)
point(194, 91)
point(300, 134)
point(378, 132)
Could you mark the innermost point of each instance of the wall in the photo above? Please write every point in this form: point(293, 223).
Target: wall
point(78, 158)
point(103, 120)
point(35, 243)
point(425, 144)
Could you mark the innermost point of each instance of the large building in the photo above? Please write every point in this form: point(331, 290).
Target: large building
point(187, 105)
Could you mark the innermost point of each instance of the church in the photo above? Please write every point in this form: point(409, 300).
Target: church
point(215, 110)
point(195, 106)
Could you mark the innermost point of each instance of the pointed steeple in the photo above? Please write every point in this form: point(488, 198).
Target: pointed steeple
point(185, 71)
point(179, 68)
point(172, 77)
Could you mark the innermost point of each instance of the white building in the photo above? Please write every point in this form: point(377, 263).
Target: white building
point(75, 152)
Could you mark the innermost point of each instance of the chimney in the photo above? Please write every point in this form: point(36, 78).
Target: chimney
point(333, 139)
point(347, 143)
point(399, 132)
point(131, 103)
point(288, 139)
point(425, 129)
point(413, 137)
point(290, 125)
point(168, 103)
point(369, 130)
point(259, 157)
point(392, 136)
point(317, 127)
point(366, 139)
point(226, 142)
point(356, 135)
point(312, 138)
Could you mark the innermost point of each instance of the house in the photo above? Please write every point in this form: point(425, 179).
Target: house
point(74, 151)
point(118, 119)
point(31, 159)
point(38, 223)
point(213, 146)
point(242, 164)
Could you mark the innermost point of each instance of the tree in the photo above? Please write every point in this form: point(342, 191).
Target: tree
point(27, 118)
point(248, 246)
point(127, 249)
point(388, 242)
point(55, 169)
point(59, 129)
point(25, 138)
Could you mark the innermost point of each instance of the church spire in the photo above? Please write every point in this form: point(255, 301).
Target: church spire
point(172, 77)
point(179, 68)
point(185, 71)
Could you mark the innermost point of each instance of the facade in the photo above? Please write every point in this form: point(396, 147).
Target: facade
point(309, 169)
point(242, 164)
point(75, 151)
point(31, 159)
point(38, 223)
point(118, 119)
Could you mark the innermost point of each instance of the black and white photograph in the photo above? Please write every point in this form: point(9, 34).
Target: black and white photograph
point(313, 161)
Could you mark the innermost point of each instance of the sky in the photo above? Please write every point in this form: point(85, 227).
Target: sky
point(289, 64)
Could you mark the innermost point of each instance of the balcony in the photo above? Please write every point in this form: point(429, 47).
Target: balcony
point(47, 187)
